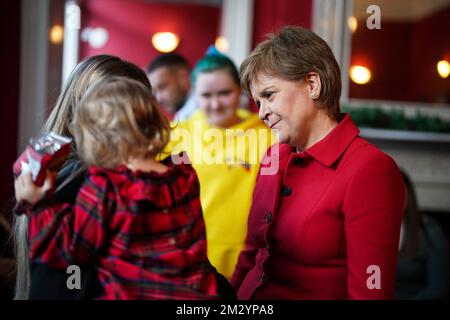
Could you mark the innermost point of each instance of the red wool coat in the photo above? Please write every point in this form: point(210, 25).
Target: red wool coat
point(326, 225)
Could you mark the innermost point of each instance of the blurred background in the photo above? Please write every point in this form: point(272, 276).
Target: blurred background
point(394, 59)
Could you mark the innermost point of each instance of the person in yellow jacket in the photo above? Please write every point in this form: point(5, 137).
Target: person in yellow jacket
point(225, 145)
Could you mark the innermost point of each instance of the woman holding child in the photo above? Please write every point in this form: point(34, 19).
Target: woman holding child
point(134, 224)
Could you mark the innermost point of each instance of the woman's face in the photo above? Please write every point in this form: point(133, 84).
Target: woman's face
point(285, 106)
point(218, 96)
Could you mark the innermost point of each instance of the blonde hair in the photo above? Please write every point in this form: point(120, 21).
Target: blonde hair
point(86, 73)
point(23, 275)
point(82, 77)
point(119, 119)
point(291, 55)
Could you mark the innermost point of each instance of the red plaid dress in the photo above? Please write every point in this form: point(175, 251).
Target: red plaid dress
point(144, 232)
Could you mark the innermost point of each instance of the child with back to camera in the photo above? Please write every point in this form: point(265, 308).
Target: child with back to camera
point(139, 221)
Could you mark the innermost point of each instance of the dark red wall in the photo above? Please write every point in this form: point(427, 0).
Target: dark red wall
point(270, 16)
point(131, 25)
point(55, 55)
point(402, 58)
point(9, 93)
point(430, 43)
point(386, 52)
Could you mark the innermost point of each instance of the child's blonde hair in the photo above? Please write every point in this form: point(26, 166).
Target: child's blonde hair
point(118, 119)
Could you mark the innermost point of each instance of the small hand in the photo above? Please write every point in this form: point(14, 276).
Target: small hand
point(26, 190)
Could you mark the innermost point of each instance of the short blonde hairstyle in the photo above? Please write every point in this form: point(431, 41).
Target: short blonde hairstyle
point(291, 55)
point(119, 119)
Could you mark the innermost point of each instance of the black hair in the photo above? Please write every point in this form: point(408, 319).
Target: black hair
point(167, 60)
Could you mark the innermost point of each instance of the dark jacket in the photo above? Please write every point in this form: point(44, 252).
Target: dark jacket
point(50, 283)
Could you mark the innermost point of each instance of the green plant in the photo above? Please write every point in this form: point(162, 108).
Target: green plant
point(375, 117)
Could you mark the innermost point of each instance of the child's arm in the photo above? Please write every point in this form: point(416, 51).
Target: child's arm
point(61, 234)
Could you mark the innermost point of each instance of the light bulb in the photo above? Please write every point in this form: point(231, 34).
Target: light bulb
point(165, 41)
point(360, 74)
point(56, 34)
point(443, 68)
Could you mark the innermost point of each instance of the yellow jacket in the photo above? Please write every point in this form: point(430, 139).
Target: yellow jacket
point(227, 163)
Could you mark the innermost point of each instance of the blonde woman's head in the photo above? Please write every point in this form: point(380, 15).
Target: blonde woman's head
point(86, 73)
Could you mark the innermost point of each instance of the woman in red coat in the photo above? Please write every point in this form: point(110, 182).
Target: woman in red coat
point(327, 205)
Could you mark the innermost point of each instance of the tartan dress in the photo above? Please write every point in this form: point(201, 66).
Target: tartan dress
point(143, 231)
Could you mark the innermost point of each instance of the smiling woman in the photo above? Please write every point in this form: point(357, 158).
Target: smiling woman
point(326, 224)
point(218, 96)
point(288, 107)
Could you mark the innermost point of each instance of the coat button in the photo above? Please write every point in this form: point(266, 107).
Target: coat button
point(299, 161)
point(268, 217)
point(286, 191)
point(262, 277)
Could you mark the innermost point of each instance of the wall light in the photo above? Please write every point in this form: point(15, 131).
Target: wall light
point(96, 37)
point(352, 23)
point(360, 74)
point(443, 68)
point(222, 44)
point(165, 41)
point(56, 34)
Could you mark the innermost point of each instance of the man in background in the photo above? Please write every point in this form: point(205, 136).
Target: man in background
point(169, 75)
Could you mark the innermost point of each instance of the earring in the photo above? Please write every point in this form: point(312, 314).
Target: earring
point(314, 96)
